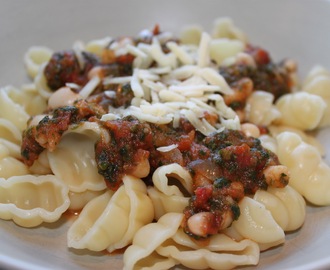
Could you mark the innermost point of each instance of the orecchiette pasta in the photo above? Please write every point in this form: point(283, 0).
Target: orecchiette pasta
point(30, 200)
point(301, 110)
point(309, 174)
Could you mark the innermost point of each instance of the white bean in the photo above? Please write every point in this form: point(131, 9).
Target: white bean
point(62, 97)
point(250, 130)
point(198, 224)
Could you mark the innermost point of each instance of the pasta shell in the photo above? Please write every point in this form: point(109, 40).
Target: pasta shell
point(30, 200)
point(111, 220)
point(309, 174)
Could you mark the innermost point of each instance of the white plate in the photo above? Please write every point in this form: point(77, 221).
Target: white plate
point(296, 29)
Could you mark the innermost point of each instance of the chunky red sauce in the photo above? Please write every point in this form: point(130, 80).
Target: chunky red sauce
point(47, 134)
point(224, 166)
point(267, 75)
point(63, 67)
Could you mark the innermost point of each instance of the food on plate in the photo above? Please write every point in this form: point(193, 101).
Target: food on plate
point(189, 149)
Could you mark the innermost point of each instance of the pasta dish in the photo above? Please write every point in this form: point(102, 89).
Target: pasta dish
point(190, 150)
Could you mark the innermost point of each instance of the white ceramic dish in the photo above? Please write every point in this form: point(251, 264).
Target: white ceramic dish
point(296, 29)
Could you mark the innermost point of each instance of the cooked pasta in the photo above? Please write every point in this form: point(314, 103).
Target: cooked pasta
point(286, 205)
point(187, 151)
point(301, 110)
point(35, 57)
point(317, 82)
point(309, 173)
point(260, 109)
point(30, 200)
point(97, 229)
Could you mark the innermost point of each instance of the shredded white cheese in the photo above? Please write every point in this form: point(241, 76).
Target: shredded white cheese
point(180, 83)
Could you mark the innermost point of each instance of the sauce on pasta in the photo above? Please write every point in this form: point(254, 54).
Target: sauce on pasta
point(165, 138)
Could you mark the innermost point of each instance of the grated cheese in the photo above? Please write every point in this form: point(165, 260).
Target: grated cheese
point(182, 82)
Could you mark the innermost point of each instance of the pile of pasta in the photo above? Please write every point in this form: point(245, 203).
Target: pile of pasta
point(147, 219)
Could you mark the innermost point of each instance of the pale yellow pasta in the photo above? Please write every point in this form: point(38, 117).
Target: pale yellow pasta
point(268, 142)
point(28, 97)
point(30, 200)
point(256, 223)
point(315, 72)
point(111, 220)
point(79, 199)
point(222, 48)
point(309, 139)
point(9, 131)
point(275, 206)
point(286, 205)
point(41, 165)
point(148, 238)
point(301, 110)
point(4, 152)
point(10, 165)
point(141, 210)
point(294, 203)
point(224, 28)
point(166, 204)
point(31, 100)
point(167, 239)
point(309, 174)
point(73, 161)
point(97, 46)
point(96, 228)
point(41, 83)
point(260, 110)
point(318, 83)
point(35, 57)
point(183, 82)
point(191, 34)
point(239, 59)
point(220, 252)
point(161, 178)
point(12, 111)
point(12, 149)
